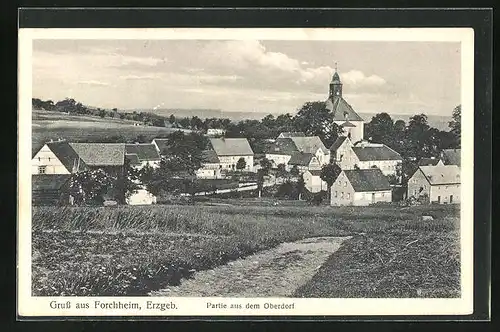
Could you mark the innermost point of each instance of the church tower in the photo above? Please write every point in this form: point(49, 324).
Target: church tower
point(335, 84)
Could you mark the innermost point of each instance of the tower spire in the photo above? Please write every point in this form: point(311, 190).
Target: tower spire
point(336, 66)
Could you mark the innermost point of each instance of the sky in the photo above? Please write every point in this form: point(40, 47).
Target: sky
point(265, 76)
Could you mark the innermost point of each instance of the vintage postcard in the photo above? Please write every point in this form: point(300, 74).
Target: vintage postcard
point(245, 172)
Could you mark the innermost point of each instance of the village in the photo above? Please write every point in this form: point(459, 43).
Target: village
point(354, 170)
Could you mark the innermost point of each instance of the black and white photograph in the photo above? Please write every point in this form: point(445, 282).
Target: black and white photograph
point(247, 172)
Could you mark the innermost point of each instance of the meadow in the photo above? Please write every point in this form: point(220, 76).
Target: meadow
point(129, 250)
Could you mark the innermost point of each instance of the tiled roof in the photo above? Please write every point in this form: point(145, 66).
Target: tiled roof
point(162, 144)
point(144, 152)
point(133, 159)
point(301, 159)
point(340, 108)
point(283, 146)
point(292, 134)
point(363, 180)
point(428, 161)
point(48, 181)
point(451, 156)
point(309, 144)
point(315, 172)
point(438, 175)
point(210, 157)
point(231, 146)
point(66, 155)
point(369, 153)
point(101, 154)
point(338, 142)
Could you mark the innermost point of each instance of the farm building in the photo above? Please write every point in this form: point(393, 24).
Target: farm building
point(107, 156)
point(211, 166)
point(451, 156)
point(341, 152)
point(360, 187)
point(50, 189)
point(440, 184)
point(141, 155)
point(161, 145)
point(369, 155)
point(313, 181)
point(430, 162)
point(215, 132)
point(281, 151)
point(303, 162)
point(283, 148)
point(343, 113)
point(291, 134)
point(313, 145)
point(56, 158)
point(230, 150)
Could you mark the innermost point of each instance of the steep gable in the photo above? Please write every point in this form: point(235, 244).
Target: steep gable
point(341, 110)
point(66, 155)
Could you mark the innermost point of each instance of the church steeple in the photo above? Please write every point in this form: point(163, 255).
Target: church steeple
point(336, 84)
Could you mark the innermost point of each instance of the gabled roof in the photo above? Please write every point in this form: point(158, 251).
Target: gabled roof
point(144, 152)
point(374, 153)
point(231, 146)
point(301, 159)
point(451, 156)
point(162, 144)
point(133, 159)
point(439, 175)
point(340, 108)
point(101, 154)
point(338, 142)
point(309, 144)
point(428, 161)
point(48, 181)
point(209, 157)
point(314, 172)
point(363, 180)
point(283, 146)
point(348, 124)
point(66, 155)
point(291, 134)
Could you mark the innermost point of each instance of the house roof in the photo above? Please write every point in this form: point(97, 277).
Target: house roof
point(428, 161)
point(368, 153)
point(133, 159)
point(283, 146)
point(292, 134)
point(301, 159)
point(348, 124)
point(340, 109)
point(144, 152)
point(231, 146)
point(338, 142)
point(162, 144)
point(66, 155)
point(438, 175)
point(367, 180)
point(101, 154)
point(48, 181)
point(210, 157)
point(451, 156)
point(309, 144)
point(315, 172)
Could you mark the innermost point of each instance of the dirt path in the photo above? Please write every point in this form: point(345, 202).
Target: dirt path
point(277, 272)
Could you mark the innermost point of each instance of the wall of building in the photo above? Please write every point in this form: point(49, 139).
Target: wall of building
point(46, 158)
point(278, 158)
point(442, 193)
point(323, 158)
point(416, 182)
point(342, 192)
point(314, 183)
point(141, 197)
point(388, 167)
point(209, 171)
point(370, 197)
point(229, 162)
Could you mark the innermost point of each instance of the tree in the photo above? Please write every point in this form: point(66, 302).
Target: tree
point(128, 184)
point(90, 186)
point(241, 164)
point(294, 171)
point(281, 172)
point(102, 113)
point(381, 129)
point(171, 119)
point(417, 137)
point(265, 165)
point(300, 187)
point(329, 173)
point(456, 123)
point(260, 181)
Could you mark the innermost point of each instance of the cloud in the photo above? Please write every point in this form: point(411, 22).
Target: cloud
point(93, 83)
point(140, 77)
point(358, 78)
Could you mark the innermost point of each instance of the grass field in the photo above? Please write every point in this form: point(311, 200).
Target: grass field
point(133, 250)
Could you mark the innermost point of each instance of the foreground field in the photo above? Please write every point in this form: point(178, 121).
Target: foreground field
point(136, 250)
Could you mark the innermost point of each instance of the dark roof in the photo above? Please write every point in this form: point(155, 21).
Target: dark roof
point(231, 146)
point(309, 144)
point(283, 146)
point(292, 134)
point(315, 172)
point(336, 78)
point(367, 180)
point(300, 159)
point(66, 155)
point(383, 152)
point(133, 159)
point(451, 156)
point(439, 175)
point(48, 181)
point(145, 152)
point(209, 156)
point(338, 142)
point(428, 162)
point(162, 144)
point(101, 154)
point(340, 108)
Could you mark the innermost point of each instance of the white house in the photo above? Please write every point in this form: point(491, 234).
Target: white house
point(211, 166)
point(214, 132)
point(140, 155)
point(360, 187)
point(313, 145)
point(368, 155)
point(342, 154)
point(313, 181)
point(440, 183)
point(56, 158)
point(230, 150)
point(281, 151)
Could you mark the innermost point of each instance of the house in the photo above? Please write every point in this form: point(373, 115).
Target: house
point(281, 151)
point(291, 134)
point(211, 166)
point(360, 187)
point(50, 189)
point(343, 113)
point(230, 150)
point(215, 132)
point(341, 153)
point(440, 183)
point(313, 145)
point(303, 162)
point(451, 156)
point(313, 181)
point(107, 156)
point(430, 162)
point(140, 155)
point(161, 145)
point(57, 158)
point(369, 155)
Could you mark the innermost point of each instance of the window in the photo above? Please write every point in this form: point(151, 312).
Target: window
point(342, 195)
point(345, 183)
point(348, 195)
point(42, 169)
point(335, 194)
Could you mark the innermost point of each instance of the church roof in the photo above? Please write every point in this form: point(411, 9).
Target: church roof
point(340, 108)
point(336, 78)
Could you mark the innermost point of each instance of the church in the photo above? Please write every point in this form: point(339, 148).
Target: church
point(343, 113)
